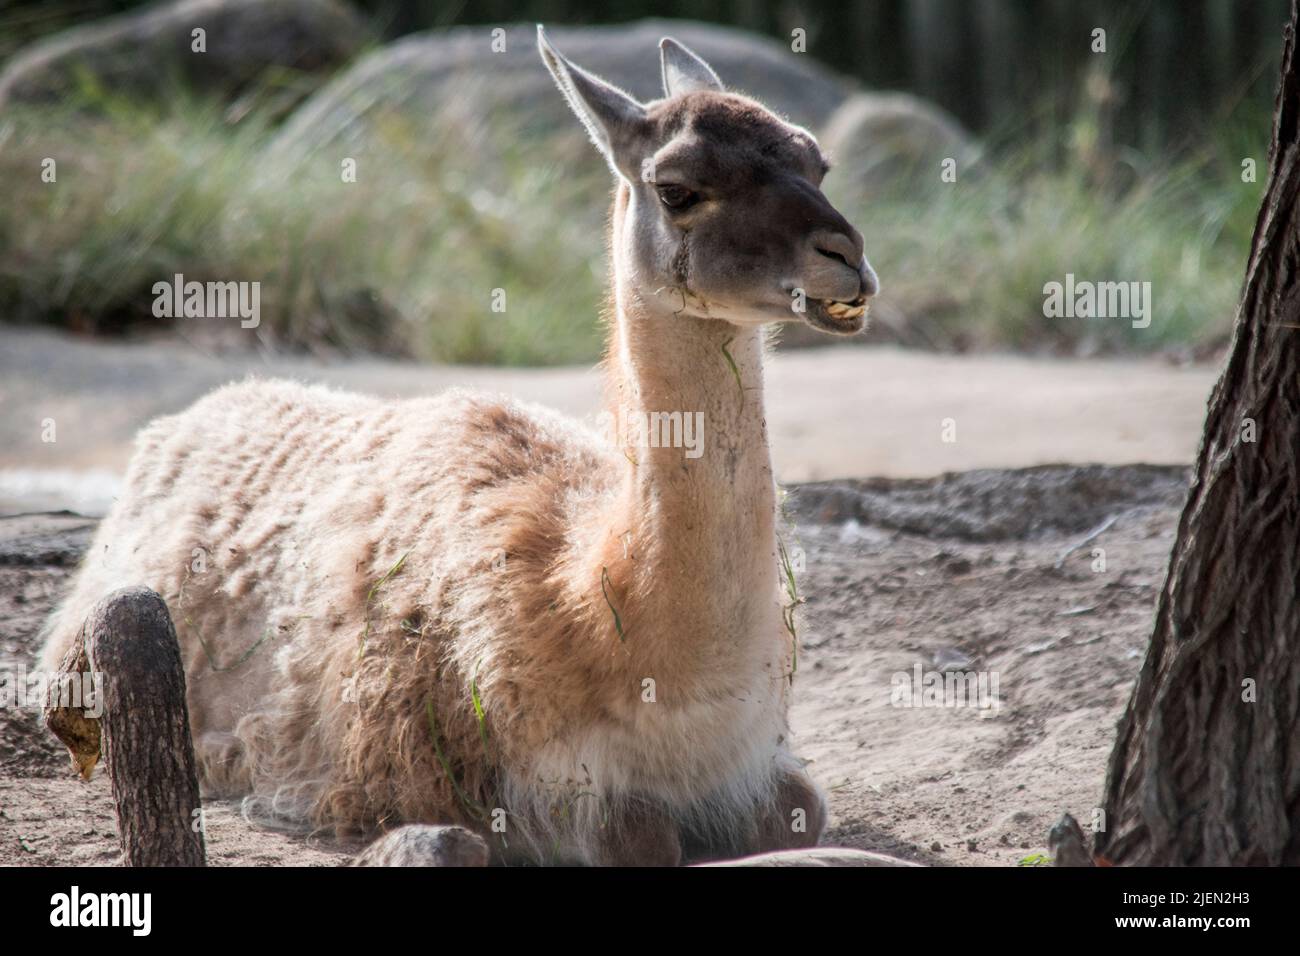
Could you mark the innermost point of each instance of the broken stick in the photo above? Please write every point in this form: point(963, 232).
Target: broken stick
point(127, 647)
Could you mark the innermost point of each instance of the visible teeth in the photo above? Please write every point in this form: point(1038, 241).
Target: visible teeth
point(842, 310)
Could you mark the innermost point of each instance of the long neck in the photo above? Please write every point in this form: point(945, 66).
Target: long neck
point(694, 520)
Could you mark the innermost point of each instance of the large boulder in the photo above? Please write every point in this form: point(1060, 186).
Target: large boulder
point(137, 53)
point(454, 84)
point(892, 145)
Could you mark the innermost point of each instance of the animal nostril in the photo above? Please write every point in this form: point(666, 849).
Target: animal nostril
point(867, 279)
point(832, 254)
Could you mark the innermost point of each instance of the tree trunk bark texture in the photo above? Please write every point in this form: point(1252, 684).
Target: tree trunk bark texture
point(129, 645)
point(1206, 766)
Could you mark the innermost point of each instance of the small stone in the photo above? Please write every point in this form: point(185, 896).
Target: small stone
point(958, 565)
point(424, 845)
point(950, 659)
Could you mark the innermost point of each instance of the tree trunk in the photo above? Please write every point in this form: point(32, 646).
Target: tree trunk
point(129, 646)
point(1206, 767)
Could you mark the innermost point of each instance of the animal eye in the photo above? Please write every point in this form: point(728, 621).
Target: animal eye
point(676, 197)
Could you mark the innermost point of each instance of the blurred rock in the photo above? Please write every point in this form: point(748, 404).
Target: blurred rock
point(1068, 844)
point(451, 84)
point(816, 856)
point(892, 144)
point(425, 845)
point(136, 54)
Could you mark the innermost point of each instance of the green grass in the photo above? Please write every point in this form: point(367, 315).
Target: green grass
point(372, 594)
point(479, 716)
point(605, 586)
point(472, 806)
point(407, 259)
point(788, 610)
point(965, 264)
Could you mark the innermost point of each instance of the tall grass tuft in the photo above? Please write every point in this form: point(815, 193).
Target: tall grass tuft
point(439, 231)
point(408, 259)
point(964, 264)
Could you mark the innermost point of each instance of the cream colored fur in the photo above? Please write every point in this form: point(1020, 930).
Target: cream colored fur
point(298, 502)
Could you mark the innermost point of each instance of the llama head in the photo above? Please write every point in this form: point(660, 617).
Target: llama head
point(725, 217)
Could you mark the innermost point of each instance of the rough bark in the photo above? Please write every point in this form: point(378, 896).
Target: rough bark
point(129, 645)
point(1206, 767)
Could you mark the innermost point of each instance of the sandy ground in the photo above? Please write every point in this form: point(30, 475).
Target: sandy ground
point(947, 574)
point(832, 413)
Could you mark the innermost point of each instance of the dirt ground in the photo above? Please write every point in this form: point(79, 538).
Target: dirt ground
point(848, 411)
point(1044, 578)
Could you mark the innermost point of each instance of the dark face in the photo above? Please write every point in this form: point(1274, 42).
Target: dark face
point(729, 213)
point(726, 217)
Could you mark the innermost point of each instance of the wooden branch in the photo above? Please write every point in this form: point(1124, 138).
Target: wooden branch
point(128, 648)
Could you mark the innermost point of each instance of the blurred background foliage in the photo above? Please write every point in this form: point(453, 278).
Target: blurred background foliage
point(1123, 167)
point(1180, 63)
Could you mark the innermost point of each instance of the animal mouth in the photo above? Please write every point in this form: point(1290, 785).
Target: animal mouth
point(838, 317)
point(845, 311)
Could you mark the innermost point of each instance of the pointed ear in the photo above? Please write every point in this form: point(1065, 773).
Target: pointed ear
point(684, 72)
point(615, 121)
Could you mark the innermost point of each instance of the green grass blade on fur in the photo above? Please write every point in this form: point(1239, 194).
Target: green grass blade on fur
point(478, 707)
point(788, 610)
point(735, 371)
point(476, 810)
point(370, 599)
point(618, 621)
